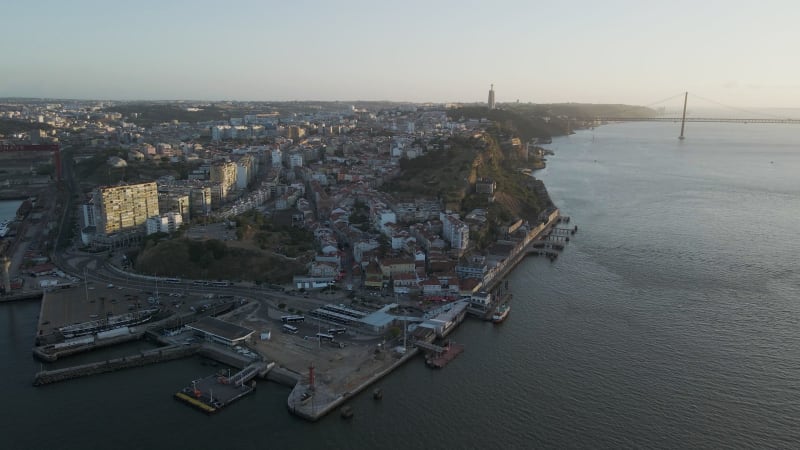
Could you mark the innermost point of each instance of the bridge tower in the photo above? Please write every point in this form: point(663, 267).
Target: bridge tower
point(6, 263)
point(683, 119)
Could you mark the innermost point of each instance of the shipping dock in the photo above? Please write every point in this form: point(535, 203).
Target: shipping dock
point(439, 356)
point(214, 392)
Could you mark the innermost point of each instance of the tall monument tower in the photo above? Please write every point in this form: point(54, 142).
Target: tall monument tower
point(6, 263)
point(491, 97)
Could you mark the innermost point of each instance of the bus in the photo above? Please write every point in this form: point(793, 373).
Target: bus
point(335, 331)
point(325, 337)
point(220, 283)
point(292, 319)
point(172, 280)
point(289, 329)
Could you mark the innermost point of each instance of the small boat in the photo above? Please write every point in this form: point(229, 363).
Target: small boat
point(501, 313)
point(346, 412)
point(377, 394)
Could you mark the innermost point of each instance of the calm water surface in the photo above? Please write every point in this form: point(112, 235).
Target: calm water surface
point(670, 321)
point(8, 209)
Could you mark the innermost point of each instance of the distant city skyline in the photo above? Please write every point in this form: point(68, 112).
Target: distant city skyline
point(734, 53)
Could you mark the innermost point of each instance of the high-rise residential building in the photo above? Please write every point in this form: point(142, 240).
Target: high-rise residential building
point(455, 232)
point(245, 171)
point(224, 173)
point(491, 97)
point(200, 201)
point(124, 208)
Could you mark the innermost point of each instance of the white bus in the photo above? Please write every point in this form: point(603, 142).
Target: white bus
point(292, 319)
point(289, 329)
point(325, 337)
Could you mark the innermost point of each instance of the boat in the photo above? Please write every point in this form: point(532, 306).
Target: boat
point(4, 227)
point(500, 313)
point(109, 323)
point(346, 412)
point(449, 352)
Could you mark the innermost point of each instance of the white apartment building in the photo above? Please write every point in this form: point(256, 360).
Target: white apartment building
point(454, 231)
point(166, 223)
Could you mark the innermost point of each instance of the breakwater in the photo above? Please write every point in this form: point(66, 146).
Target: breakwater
point(53, 352)
point(143, 358)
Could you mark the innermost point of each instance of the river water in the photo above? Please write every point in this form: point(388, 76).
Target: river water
point(671, 320)
point(8, 209)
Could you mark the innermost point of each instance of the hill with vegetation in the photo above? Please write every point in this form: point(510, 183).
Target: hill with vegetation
point(525, 126)
point(498, 154)
point(440, 173)
point(264, 252)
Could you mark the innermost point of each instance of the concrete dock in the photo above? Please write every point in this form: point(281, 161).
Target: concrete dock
point(136, 360)
point(312, 402)
point(214, 392)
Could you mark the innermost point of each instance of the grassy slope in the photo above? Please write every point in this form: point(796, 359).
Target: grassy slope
point(199, 260)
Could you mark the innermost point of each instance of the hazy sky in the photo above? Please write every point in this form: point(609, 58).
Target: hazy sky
point(735, 52)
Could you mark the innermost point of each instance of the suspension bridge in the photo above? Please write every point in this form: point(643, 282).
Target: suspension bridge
point(764, 118)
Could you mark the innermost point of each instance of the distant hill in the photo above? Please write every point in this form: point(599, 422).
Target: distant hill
point(524, 124)
point(580, 111)
point(154, 113)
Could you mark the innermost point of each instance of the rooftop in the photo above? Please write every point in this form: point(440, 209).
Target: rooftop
point(219, 328)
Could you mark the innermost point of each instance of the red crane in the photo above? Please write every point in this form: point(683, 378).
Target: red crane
point(55, 148)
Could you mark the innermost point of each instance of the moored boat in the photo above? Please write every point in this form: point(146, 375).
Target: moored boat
point(109, 323)
point(500, 313)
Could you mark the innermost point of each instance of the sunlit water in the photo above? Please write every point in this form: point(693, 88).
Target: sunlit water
point(671, 320)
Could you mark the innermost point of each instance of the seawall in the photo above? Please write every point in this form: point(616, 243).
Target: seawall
point(137, 360)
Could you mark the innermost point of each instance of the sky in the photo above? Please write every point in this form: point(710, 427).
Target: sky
point(737, 53)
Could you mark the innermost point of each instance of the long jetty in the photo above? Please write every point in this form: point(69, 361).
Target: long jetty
point(143, 358)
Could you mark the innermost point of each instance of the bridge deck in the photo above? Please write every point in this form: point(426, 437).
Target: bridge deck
point(699, 119)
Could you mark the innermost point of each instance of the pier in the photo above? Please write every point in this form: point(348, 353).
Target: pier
point(214, 392)
point(136, 360)
point(438, 356)
point(312, 401)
